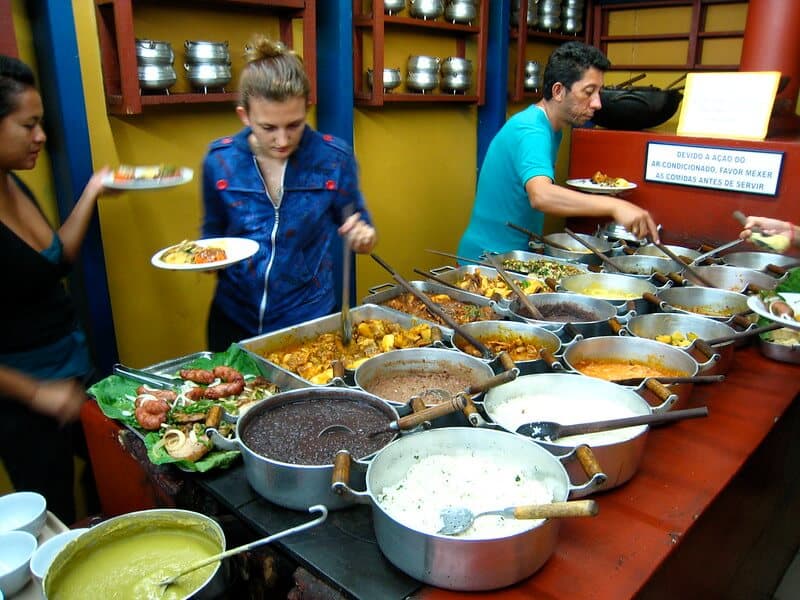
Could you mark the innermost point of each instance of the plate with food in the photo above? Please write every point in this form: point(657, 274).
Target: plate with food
point(781, 307)
point(204, 255)
point(600, 183)
point(147, 177)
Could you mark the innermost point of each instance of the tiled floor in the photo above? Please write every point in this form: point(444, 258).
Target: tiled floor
point(789, 587)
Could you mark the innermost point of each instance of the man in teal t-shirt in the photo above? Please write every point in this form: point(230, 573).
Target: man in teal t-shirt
point(516, 182)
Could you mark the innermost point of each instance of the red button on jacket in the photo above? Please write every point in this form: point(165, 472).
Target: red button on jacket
point(330, 184)
point(222, 184)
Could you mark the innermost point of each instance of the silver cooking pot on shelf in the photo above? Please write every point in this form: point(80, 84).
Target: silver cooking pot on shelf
point(153, 52)
point(156, 77)
point(201, 51)
point(208, 75)
point(460, 11)
point(426, 9)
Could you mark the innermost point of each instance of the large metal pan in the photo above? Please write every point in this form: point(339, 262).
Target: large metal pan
point(536, 265)
point(613, 288)
point(681, 251)
point(721, 305)
point(735, 279)
point(757, 260)
point(570, 398)
point(502, 292)
point(452, 562)
point(566, 247)
point(643, 266)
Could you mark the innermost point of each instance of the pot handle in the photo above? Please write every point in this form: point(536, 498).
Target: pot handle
point(741, 321)
point(709, 356)
point(572, 332)
point(382, 286)
point(552, 362)
point(661, 279)
point(677, 278)
point(471, 412)
point(493, 382)
point(455, 404)
point(551, 283)
point(340, 477)
point(507, 362)
point(653, 299)
point(444, 269)
point(662, 392)
point(617, 327)
point(596, 477)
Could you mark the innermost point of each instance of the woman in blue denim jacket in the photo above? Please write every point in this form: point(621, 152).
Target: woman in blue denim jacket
point(289, 188)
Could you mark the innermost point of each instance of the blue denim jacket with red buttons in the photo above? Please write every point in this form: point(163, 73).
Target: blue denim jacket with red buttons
point(290, 278)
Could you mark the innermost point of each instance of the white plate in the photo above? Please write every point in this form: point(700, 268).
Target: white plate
point(756, 304)
point(587, 185)
point(185, 176)
point(236, 249)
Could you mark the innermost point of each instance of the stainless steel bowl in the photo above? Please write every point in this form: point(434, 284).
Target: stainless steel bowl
point(391, 78)
point(454, 65)
point(532, 67)
point(736, 279)
point(200, 51)
point(572, 24)
point(156, 77)
point(757, 260)
point(208, 75)
point(426, 9)
point(391, 7)
point(549, 21)
point(423, 62)
point(456, 82)
point(460, 11)
point(681, 251)
point(531, 83)
point(421, 81)
point(153, 52)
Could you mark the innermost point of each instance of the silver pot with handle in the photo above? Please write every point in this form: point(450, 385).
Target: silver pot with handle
point(205, 52)
point(735, 279)
point(153, 52)
point(425, 9)
point(452, 562)
point(562, 245)
point(208, 75)
point(721, 305)
point(757, 260)
point(613, 288)
point(156, 77)
point(460, 11)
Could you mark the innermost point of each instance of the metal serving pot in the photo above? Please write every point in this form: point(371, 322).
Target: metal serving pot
point(391, 7)
point(298, 486)
point(391, 78)
point(426, 9)
point(135, 523)
point(612, 288)
point(423, 62)
point(420, 361)
point(567, 398)
point(736, 279)
point(156, 77)
point(681, 251)
point(601, 311)
point(571, 24)
point(637, 107)
point(153, 52)
point(644, 266)
point(721, 305)
point(455, 65)
point(626, 349)
point(455, 82)
point(421, 81)
point(650, 326)
point(504, 331)
point(577, 251)
point(460, 11)
point(757, 260)
point(206, 52)
point(207, 74)
point(452, 562)
point(549, 21)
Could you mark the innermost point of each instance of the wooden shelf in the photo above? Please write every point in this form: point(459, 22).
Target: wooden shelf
point(8, 39)
point(379, 25)
point(118, 48)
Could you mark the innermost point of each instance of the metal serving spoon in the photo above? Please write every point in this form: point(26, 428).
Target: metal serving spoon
point(550, 430)
point(456, 519)
point(167, 581)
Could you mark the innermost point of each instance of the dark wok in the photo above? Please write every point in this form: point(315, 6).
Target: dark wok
point(638, 107)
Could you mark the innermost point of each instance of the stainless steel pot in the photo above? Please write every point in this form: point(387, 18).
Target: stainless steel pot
point(391, 7)
point(460, 11)
point(568, 398)
point(577, 251)
point(206, 52)
point(153, 52)
point(391, 78)
point(426, 9)
point(532, 67)
point(757, 260)
point(421, 81)
point(455, 65)
point(571, 24)
point(531, 83)
point(637, 265)
point(721, 305)
point(452, 562)
point(208, 74)
point(156, 77)
point(736, 279)
point(423, 63)
point(680, 251)
point(549, 21)
point(549, 7)
point(781, 352)
point(569, 11)
point(626, 349)
point(141, 522)
point(291, 485)
point(456, 82)
point(658, 324)
point(488, 331)
point(611, 288)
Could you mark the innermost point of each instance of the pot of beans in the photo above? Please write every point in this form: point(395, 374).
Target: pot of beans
point(567, 399)
point(414, 478)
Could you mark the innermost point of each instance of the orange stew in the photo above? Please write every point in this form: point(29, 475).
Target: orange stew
point(612, 370)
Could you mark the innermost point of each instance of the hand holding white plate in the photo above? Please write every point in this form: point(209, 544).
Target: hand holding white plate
point(589, 186)
point(761, 307)
point(236, 250)
point(146, 178)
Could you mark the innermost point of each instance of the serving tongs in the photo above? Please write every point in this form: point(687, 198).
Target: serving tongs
point(539, 238)
point(434, 308)
point(150, 379)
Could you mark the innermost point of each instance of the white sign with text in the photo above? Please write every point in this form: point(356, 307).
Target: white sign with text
point(748, 171)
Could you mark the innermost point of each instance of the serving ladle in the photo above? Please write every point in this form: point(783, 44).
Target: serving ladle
point(456, 519)
point(550, 430)
point(167, 581)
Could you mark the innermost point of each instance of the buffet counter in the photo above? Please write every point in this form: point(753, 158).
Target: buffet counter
point(712, 511)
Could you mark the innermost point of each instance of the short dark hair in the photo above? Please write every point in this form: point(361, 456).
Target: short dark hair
point(15, 78)
point(568, 63)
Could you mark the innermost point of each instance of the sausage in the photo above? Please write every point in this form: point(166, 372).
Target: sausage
point(150, 412)
point(223, 390)
point(228, 374)
point(203, 376)
point(779, 308)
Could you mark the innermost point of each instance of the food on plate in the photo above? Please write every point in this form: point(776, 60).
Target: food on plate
point(617, 369)
point(428, 384)
point(479, 483)
point(779, 308)
point(187, 253)
point(516, 345)
point(494, 287)
point(678, 338)
point(126, 173)
point(461, 312)
point(313, 359)
point(599, 291)
point(601, 178)
point(541, 269)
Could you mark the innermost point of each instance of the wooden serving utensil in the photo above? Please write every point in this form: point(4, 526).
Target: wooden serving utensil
point(434, 308)
point(689, 269)
point(539, 238)
point(476, 261)
point(523, 297)
point(670, 380)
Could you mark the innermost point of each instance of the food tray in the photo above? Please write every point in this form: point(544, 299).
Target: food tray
point(454, 274)
point(532, 256)
point(288, 336)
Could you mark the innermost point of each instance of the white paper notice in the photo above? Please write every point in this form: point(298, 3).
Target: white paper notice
point(749, 171)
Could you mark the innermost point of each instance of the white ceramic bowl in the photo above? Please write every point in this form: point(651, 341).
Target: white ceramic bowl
point(16, 549)
point(24, 511)
point(45, 553)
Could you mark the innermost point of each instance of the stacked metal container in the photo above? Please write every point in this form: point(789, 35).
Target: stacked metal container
point(532, 14)
point(533, 80)
point(207, 64)
point(549, 14)
point(572, 16)
point(423, 73)
point(154, 65)
point(456, 75)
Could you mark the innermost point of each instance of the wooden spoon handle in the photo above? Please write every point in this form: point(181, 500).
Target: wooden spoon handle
point(575, 508)
point(667, 417)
